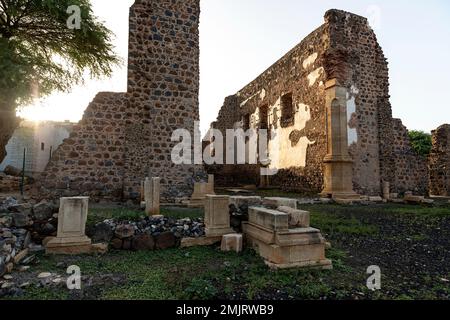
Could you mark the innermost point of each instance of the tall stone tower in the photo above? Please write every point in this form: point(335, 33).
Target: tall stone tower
point(163, 86)
point(125, 137)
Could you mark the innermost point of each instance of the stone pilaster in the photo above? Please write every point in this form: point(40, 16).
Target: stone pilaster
point(338, 173)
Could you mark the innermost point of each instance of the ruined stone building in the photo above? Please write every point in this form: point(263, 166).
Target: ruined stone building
point(326, 101)
point(290, 98)
point(39, 141)
point(124, 137)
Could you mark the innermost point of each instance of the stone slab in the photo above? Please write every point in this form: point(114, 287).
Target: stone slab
point(414, 199)
point(217, 216)
point(232, 242)
point(200, 241)
point(270, 219)
point(243, 200)
point(69, 250)
point(275, 202)
point(297, 218)
point(291, 254)
point(291, 237)
point(325, 264)
point(258, 232)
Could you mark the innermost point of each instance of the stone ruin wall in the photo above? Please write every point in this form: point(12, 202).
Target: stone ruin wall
point(411, 170)
point(91, 161)
point(379, 144)
point(439, 162)
point(163, 85)
point(124, 137)
point(347, 49)
point(288, 76)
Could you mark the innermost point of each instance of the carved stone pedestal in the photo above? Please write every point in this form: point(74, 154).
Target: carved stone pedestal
point(71, 238)
point(201, 189)
point(269, 234)
point(217, 216)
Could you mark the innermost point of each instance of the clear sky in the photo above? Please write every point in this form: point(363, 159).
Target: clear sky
point(241, 38)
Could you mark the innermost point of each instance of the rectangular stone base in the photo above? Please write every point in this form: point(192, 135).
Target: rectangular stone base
point(69, 246)
point(218, 232)
point(322, 264)
point(295, 248)
point(201, 241)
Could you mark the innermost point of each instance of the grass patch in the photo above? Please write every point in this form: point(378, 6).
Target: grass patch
point(331, 223)
point(435, 212)
point(208, 273)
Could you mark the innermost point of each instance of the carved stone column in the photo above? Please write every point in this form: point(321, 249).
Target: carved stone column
point(338, 173)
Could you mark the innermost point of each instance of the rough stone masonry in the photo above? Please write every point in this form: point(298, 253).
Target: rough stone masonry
point(289, 100)
point(439, 162)
point(125, 137)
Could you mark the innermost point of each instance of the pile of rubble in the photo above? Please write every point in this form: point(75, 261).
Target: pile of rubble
point(150, 233)
point(11, 178)
point(23, 226)
point(9, 183)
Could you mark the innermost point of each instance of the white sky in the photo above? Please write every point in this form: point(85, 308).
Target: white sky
point(241, 38)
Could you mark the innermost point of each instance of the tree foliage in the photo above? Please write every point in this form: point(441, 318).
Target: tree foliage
point(39, 53)
point(421, 142)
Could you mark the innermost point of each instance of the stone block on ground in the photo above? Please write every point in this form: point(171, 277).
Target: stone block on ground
point(201, 190)
point(270, 219)
point(200, 241)
point(297, 218)
point(295, 248)
point(248, 201)
point(165, 240)
point(143, 242)
point(217, 216)
point(284, 239)
point(71, 237)
point(99, 248)
point(409, 198)
point(275, 202)
point(232, 242)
